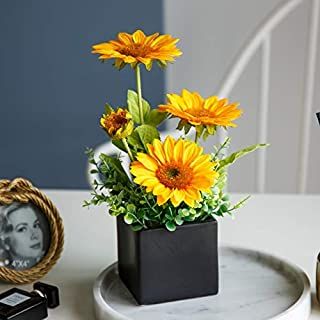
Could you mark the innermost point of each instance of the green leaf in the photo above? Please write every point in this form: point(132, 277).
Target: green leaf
point(222, 148)
point(114, 213)
point(184, 125)
point(134, 141)
point(116, 166)
point(181, 124)
point(136, 227)
point(108, 109)
point(90, 153)
point(128, 218)
point(133, 106)
point(185, 212)
point(119, 144)
point(224, 208)
point(170, 226)
point(119, 64)
point(178, 220)
point(187, 128)
point(154, 117)
point(149, 65)
point(236, 155)
point(162, 64)
point(211, 129)
point(222, 179)
point(240, 203)
point(225, 197)
point(199, 131)
point(189, 218)
point(147, 134)
point(131, 207)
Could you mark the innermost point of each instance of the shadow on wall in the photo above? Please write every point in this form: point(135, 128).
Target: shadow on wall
point(53, 90)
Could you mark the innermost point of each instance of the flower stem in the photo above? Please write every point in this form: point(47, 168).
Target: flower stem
point(125, 143)
point(138, 77)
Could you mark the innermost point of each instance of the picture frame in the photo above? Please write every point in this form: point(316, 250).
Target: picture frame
point(31, 232)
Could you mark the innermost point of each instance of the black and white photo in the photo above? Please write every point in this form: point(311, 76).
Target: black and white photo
point(24, 235)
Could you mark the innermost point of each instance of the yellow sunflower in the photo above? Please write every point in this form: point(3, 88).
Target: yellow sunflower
point(175, 170)
point(194, 110)
point(138, 48)
point(118, 124)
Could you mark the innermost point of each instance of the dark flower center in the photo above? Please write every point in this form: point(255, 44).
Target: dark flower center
point(174, 175)
point(115, 121)
point(134, 50)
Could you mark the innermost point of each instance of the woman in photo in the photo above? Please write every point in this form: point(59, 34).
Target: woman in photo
point(21, 236)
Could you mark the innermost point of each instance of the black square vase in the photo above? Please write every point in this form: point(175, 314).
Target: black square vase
point(160, 266)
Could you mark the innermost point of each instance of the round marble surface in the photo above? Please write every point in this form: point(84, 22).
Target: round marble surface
point(253, 286)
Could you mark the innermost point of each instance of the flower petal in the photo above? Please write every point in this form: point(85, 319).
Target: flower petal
point(147, 161)
point(177, 197)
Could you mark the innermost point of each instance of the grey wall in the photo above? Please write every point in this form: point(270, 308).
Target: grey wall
point(52, 89)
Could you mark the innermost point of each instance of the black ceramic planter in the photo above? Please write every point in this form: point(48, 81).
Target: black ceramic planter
point(160, 266)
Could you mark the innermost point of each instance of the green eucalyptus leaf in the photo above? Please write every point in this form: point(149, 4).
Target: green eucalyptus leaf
point(178, 220)
point(128, 218)
point(131, 207)
point(170, 226)
point(154, 117)
point(222, 148)
point(224, 208)
point(185, 212)
point(136, 227)
point(114, 213)
point(147, 134)
point(225, 197)
point(115, 165)
point(240, 203)
point(221, 181)
point(133, 106)
point(236, 155)
point(189, 218)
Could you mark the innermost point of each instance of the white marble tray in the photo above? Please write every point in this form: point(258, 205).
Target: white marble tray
point(253, 286)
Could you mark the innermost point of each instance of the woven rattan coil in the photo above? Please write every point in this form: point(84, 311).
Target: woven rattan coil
point(21, 190)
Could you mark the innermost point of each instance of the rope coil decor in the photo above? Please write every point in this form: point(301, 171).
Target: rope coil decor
point(21, 190)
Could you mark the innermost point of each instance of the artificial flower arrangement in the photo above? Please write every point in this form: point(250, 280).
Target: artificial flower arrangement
point(173, 183)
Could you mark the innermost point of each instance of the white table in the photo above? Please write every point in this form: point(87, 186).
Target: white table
point(284, 225)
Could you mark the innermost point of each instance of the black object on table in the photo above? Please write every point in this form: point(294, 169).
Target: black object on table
point(17, 304)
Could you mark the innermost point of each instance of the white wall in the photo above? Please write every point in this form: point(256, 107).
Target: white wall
point(284, 97)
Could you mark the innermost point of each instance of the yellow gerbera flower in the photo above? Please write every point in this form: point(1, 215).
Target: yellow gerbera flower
point(118, 124)
point(176, 170)
point(191, 108)
point(139, 48)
